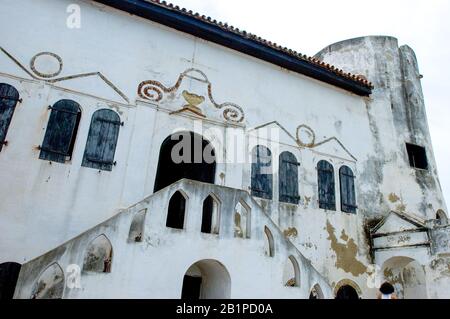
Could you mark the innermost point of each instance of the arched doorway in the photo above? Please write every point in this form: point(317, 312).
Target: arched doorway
point(347, 289)
point(206, 279)
point(407, 276)
point(347, 292)
point(185, 155)
point(9, 273)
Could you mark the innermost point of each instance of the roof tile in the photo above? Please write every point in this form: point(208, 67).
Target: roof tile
point(358, 78)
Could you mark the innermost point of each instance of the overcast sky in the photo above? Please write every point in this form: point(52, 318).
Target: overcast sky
point(309, 26)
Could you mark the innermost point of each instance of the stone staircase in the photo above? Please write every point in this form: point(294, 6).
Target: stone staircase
point(134, 255)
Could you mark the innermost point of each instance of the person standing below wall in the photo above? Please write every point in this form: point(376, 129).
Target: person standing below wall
point(386, 291)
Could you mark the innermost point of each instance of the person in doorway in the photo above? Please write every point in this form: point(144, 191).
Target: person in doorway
point(386, 291)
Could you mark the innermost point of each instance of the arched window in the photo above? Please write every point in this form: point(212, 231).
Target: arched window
point(269, 243)
point(211, 215)
point(61, 132)
point(137, 227)
point(261, 172)
point(8, 101)
point(325, 176)
point(242, 220)
point(288, 178)
point(441, 217)
point(347, 183)
point(99, 255)
point(316, 292)
point(50, 284)
point(176, 211)
point(102, 140)
point(291, 273)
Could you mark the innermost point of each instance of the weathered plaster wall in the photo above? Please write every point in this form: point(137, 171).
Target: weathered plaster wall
point(396, 112)
point(154, 268)
point(48, 204)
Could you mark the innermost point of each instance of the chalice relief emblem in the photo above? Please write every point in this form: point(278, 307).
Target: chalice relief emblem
point(193, 101)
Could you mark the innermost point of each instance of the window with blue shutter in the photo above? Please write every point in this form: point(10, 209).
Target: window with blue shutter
point(8, 101)
point(288, 178)
point(325, 176)
point(61, 132)
point(261, 184)
point(102, 140)
point(347, 183)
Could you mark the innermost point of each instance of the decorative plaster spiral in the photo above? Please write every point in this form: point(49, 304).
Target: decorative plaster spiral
point(232, 112)
point(151, 90)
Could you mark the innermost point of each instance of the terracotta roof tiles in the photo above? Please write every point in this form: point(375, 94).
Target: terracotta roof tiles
point(357, 78)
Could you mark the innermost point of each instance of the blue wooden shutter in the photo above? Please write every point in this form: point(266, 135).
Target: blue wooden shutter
point(347, 183)
point(8, 100)
point(288, 178)
point(61, 131)
point(325, 174)
point(102, 140)
point(261, 185)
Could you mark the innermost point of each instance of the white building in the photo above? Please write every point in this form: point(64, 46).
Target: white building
point(321, 183)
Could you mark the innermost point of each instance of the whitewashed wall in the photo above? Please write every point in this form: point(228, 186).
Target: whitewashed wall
point(45, 205)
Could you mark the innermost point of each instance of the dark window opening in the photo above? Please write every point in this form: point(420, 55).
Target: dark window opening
point(198, 160)
point(325, 175)
point(191, 287)
point(9, 273)
point(417, 156)
point(347, 292)
point(102, 140)
point(313, 295)
point(441, 217)
point(176, 211)
point(8, 101)
point(288, 178)
point(347, 183)
point(210, 216)
point(59, 139)
point(261, 184)
point(207, 215)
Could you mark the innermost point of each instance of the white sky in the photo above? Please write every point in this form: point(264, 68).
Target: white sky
point(309, 26)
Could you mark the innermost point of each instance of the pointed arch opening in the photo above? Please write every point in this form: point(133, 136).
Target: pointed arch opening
point(291, 272)
point(50, 284)
point(98, 256)
point(242, 220)
point(9, 97)
point(211, 215)
point(269, 242)
point(185, 155)
point(325, 181)
point(316, 292)
point(136, 232)
point(288, 178)
point(176, 211)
